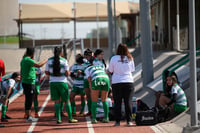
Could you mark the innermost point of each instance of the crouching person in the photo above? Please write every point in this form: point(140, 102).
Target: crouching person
point(7, 90)
point(178, 101)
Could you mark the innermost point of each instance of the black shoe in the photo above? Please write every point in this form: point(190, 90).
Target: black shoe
point(7, 117)
point(4, 119)
point(117, 124)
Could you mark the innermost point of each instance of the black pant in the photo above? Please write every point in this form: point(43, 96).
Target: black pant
point(122, 91)
point(29, 91)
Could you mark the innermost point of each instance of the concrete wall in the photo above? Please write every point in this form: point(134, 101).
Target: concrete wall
point(8, 12)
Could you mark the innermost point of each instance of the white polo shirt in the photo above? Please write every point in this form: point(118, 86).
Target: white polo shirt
point(122, 71)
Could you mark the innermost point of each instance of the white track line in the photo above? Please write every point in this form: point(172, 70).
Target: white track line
point(31, 128)
point(89, 125)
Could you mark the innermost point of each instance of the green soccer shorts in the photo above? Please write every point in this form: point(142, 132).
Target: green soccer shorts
point(179, 108)
point(78, 90)
point(59, 90)
point(101, 84)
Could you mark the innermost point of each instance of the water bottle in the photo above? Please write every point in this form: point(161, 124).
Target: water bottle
point(123, 107)
point(134, 107)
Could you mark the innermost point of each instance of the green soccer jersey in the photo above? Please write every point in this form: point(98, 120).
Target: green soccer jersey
point(96, 72)
point(27, 70)
point(97, 62)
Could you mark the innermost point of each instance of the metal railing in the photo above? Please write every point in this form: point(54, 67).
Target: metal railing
point(177, 65)
point(134, 39)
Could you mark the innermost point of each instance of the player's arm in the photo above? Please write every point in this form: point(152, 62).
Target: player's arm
point(40, 64)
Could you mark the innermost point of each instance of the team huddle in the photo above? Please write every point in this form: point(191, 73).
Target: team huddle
point(91, 80)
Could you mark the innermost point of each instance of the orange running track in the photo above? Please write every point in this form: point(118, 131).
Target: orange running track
point(47, 122)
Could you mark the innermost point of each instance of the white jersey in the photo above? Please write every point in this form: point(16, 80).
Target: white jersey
point(64, 67)
point(7, 84)
point(181, 98)
point(122, 71)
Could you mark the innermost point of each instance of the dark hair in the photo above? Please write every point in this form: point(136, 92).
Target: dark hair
point(88, 52)
point(174, 79)
point(56, 61)
point(29, 52)
point(14, 75)
point(79, 58)
point(64, 52)
point(122, 50)
point(97, 52)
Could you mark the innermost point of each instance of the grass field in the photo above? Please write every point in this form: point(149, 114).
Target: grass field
point(9, 39)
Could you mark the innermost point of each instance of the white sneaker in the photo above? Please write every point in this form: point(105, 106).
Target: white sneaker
point(31, 119)
point(129, 123)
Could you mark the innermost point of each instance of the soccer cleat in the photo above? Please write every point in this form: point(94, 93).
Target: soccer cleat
point(4, 119)
point(105, 120)
point(73, 121)
point(94, 121)
point(59, 121)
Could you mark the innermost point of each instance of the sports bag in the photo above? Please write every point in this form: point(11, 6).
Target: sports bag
point(149, 117)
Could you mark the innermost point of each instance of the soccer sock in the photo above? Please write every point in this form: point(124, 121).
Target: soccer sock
point(62, 106)
point(3, 111)
point(82, 106)
point(73, 107)
point(57, 110)
point(106, 109)
point(89, 102)
point(94, 110)
point(68, 110)
point(36, 106)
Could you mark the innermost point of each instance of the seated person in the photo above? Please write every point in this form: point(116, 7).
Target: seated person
point(177, 102)
point(167, 90)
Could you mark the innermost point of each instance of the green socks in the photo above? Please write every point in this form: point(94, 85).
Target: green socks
point(73, 107)
point(36, 106)
point(62, 106)
point(94, 110)
point(57, 110)
point(106, 109)
point(68, 110)
point(82, 106)
point(89, 102)
point(3, 111)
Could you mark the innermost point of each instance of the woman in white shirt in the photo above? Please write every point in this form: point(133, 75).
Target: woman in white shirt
point(121, 67)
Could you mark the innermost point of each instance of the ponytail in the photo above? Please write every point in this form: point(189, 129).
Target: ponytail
point(56, 62)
